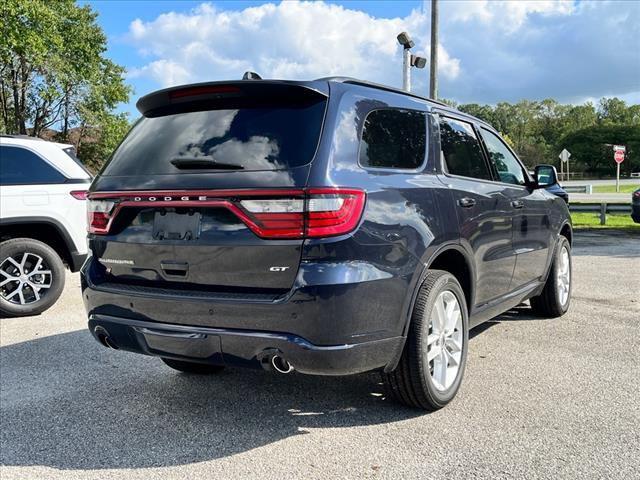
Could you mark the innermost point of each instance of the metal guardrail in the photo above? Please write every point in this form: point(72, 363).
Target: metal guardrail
point(579, 189)
point(602, 208)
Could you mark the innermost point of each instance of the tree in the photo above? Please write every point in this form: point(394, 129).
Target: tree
point(483, 112)
point(53, 72)
point(592, 148)
point(613, 111)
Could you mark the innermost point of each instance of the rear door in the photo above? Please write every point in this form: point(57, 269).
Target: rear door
point(484, 218)
point(206, 191)
point(532, 233)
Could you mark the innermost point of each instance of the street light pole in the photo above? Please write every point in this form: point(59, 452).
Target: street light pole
point(408, 60)
point(406, 70)
point(433, 88)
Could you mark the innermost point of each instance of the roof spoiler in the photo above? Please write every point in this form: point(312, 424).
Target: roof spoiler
point(222, 95)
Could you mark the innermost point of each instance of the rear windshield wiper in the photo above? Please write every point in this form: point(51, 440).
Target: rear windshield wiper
point(206, 163)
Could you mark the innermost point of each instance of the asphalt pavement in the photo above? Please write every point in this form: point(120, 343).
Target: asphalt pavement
point(541, 398)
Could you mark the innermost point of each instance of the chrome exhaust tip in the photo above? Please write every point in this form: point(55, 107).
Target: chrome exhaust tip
point(108, 342)
point(105, 339)
point(281, 365)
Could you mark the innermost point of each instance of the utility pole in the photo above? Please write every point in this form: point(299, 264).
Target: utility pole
point(433, 88)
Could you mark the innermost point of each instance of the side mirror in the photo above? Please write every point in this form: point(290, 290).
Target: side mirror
point(546, 175)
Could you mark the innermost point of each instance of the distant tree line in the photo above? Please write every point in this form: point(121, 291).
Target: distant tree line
point(55, 81)
point(538, 131)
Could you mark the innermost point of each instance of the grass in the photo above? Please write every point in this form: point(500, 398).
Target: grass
point(624, 188)
point(614, 220)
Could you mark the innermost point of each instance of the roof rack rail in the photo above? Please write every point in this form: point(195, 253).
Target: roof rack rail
point(379, 86)
point(25, 137)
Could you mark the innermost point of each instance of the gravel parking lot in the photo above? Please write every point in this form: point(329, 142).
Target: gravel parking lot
point(541, 399)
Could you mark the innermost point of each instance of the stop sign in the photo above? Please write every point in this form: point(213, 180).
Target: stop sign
point(618, 156)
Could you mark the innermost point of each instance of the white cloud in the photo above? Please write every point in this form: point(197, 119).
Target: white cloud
point(296, 40)
point(491, 50)
point(507, 15)
point(564, 50)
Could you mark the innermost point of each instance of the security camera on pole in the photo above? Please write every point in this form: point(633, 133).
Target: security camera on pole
point(409, 60)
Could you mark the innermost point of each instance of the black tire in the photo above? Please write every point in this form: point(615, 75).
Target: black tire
point(411, 382)
point(16, 248)
point(192, 367)
point(548, 303)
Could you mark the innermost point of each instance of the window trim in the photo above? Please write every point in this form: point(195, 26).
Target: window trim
point(425, 160)
point(65, 178)
point(528, 181)
point(443, 163)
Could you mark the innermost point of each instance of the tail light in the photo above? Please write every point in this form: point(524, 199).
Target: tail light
point(283, 214)
point(100, 213)
point(79, 194)
point(636, 194)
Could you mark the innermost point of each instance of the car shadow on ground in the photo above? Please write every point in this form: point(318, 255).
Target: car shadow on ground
point(517, 314)
point(69, 403)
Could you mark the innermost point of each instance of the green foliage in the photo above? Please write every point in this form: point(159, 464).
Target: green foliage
point(54, 76)
point(615, 220)
point(592, 148)
point(539, 131)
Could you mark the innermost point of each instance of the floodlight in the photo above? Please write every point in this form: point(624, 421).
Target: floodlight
point(418, 62)
point(405, 40)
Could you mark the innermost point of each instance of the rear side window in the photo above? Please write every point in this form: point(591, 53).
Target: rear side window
point(508, 167)
point(239, 139)
point(393, 139)
point(461, 150)
point(19, 166)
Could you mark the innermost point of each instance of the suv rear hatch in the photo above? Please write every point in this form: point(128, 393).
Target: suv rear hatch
point(208, 190)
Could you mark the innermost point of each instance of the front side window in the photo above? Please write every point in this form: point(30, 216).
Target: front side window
point(394, 139)
point(509, 169)
point(461, 150)
point(19, 166)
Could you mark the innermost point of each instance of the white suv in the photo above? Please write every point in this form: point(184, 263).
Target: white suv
point(42, 221)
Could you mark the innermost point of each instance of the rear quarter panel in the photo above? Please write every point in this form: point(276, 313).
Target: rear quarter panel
point(406, 213)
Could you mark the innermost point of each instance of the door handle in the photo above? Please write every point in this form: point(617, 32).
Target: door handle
point(517, 204)
point(466, 202)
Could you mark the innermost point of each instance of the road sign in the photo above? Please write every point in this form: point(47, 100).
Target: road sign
point(564, 158)
point(618, 156)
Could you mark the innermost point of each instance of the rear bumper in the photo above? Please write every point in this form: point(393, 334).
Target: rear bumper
point(240, 347)
point(635, 212)
point(335, 321)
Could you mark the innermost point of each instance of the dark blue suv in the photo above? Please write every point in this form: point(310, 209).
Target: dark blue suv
point(332, 227)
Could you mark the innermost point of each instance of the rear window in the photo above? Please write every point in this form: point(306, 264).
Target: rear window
point(242, 139)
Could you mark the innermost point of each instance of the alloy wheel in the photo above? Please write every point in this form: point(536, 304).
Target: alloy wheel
point(564, 276)
point(444, 343)
point(24, 278)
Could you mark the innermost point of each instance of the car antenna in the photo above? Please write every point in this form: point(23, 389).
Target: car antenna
point(251, 76)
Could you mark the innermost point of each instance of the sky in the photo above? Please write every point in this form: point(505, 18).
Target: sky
point(489, 50)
